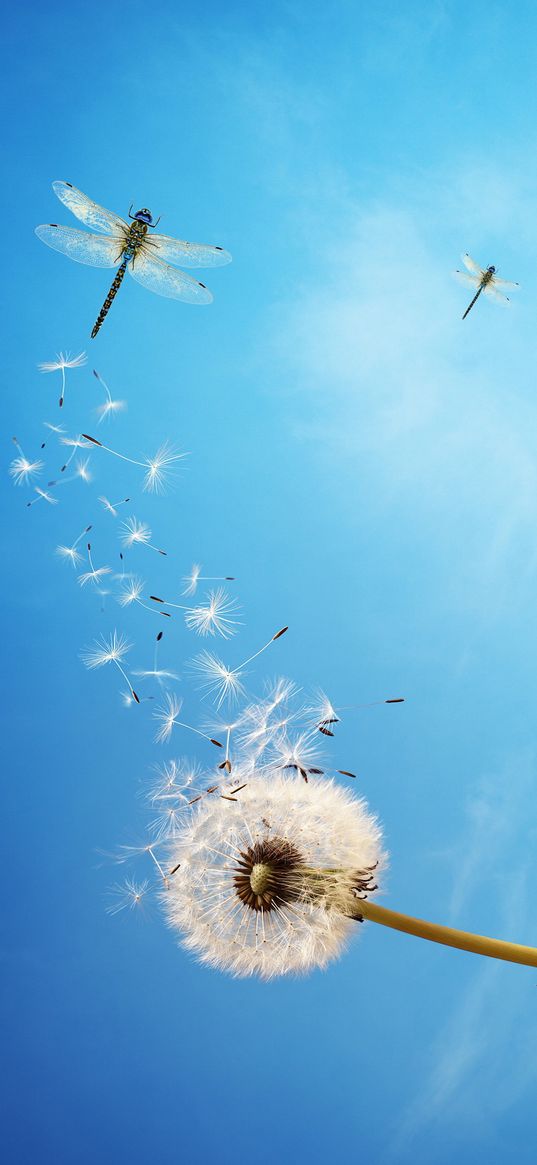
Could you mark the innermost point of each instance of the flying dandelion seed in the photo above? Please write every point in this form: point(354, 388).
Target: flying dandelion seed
point(110, 406)
point(158, 469)
point(54, 428)
point(137, 534)
point(168, 717)
point(128, 895)
point(74, 443)
point(94, 574)
point(70, 553)
point(196, 576)
point(221, 681)
point(21, 469)
point(63, 360)
point(42, 496)
point(112, 507)
point(158, 673)
point(212, 618)
point(81, 472)
point(111, 650)
point(132, 592)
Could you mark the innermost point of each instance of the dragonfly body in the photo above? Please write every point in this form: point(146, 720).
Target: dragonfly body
point(483, 279)
point(129, 247)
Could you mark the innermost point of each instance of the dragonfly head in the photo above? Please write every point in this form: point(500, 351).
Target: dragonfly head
point(144, 215)
point(492, 270)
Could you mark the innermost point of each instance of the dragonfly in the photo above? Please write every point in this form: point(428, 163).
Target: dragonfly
point(484, 279)
point(130, 247)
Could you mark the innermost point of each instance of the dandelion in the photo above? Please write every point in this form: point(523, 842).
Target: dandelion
point(158, 469)
point(70, 553)
point(94, 574)
point(111, 650)
point(168, 716)
point(196, 576)
point(158, 673)
point(274, 885)
point(63, 360)
point(21, 469)
point(128, 895)
point(223, 682)
point(112, 507)
point(110, 406)
point(263, 886)
point(137, 534)
point(42, 496)
point(132, 591)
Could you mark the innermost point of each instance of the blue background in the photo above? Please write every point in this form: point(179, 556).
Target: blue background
point(366, 465)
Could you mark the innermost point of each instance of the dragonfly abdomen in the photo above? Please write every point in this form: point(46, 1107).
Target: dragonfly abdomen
point(111, 296)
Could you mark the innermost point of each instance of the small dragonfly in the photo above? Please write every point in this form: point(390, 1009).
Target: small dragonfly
point(484, 279)
point(130, 247)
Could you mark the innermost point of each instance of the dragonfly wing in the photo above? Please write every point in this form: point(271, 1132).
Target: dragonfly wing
point(89, 212)
point(505, 285)
point(496, 295)
point(468, 280)
point(471, 266)
point(166, 280)
point(186, 254)
point(95, 250)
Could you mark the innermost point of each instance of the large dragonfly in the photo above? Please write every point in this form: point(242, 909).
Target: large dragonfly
point(484, 279)
point(130, 248)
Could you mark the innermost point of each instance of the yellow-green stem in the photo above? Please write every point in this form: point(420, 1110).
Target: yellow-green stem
point(478, 944)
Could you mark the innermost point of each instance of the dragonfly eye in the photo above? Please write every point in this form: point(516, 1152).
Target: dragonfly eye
point(492, 270)
point(144, 215)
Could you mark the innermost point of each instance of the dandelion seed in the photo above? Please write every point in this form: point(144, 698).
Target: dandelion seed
point(128, 895)
point(138, 534)
point(70, 553)
point(132, 592)
point(74, 443)
point(263, 885)
point(160, 674)
point(168, 716)
point(215, 617)
point(54, 428)
point(21, 469)
point(223, 682)
point(158, 469)
point(110, 406)
point(111, 650)
point(94, 574)
point(63, 360)
point(42, 495)
point(112, 507)
point(196, 576)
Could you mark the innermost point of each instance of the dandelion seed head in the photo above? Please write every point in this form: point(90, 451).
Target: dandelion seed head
point(42, 493)
point(69, 554)
point(109, 408)
point(132, 591)
point(23, 470)
point(135, 533)
point(215, 617)
point(93, 576)
point(167, 715)
point(161, 468)
point(82, 471)
point(192, 580)
point(105, 650)
point(264, 882)
point(127, 895)
point(216, 678)
point(63, 360)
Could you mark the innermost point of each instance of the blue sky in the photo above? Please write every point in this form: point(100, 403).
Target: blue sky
point(366, 465)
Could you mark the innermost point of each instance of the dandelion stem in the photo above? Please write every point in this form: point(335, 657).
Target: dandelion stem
point(477, 944)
